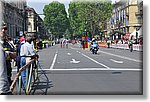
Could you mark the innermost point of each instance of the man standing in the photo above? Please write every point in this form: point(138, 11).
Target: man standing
point(4, 84)
point(10, 53)
point(26, 52)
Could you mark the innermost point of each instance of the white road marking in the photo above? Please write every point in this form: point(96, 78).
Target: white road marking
point(69, 54)
point(92, 69)
point(95, 61)
point(123, 57)
point(74, 61)
point(116, 61)
point(54, 60)
point(89, 69)
point(78, 52)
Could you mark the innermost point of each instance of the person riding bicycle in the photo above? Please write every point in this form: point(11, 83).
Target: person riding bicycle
point(130, 44)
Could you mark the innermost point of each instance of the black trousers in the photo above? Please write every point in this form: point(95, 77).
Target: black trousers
point(9, 70)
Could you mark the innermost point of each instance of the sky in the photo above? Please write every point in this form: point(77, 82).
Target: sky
point(38, 5)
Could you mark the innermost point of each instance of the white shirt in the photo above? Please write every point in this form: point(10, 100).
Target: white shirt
point(27, 50)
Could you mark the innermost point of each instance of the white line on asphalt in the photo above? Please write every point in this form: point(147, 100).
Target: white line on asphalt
point(74, 61)
point(54, 60)
point(92, 69)
point(116, 61)
point(95, 61)
point(69, 54)
point(78, 52)
point(127, 58)
point(89, 69)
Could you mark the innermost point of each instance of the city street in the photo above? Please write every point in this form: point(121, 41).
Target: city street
point(76, 71)
point(33, 35)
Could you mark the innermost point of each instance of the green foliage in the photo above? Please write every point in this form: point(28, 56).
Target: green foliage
point(56, 18)
point(85, 18)
point(89, 16)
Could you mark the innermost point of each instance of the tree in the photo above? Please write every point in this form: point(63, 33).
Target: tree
point(89, 16)
point(56, 18)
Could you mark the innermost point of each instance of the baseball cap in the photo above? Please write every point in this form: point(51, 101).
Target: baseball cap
point(22, 39)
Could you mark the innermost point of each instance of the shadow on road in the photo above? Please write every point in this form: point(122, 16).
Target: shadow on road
point(43, 84)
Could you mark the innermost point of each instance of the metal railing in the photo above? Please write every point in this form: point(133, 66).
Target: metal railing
point(31, 77)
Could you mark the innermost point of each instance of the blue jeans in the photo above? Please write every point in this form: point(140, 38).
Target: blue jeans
point(23, 73)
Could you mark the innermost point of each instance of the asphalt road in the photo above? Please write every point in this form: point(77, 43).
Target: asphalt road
point(76, 71)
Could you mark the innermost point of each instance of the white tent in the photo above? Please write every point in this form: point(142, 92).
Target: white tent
point(133, 34)
point(139, 33)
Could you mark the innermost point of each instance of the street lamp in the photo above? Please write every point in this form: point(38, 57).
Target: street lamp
point(51, 36)
point(24, 19)
point(85, 32)
point(85, 27)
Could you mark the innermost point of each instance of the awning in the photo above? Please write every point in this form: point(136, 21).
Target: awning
point(140, 32)
point(134, 33)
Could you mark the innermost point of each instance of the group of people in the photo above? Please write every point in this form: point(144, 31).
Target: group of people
point(21, 54)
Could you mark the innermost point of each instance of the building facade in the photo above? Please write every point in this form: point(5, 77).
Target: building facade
point(139, 13)
point(12, 14)
point(124, 19)
point(35, 24)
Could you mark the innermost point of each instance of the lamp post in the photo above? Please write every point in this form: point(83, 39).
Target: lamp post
point(36, 23)
point(85, 32)
point(24, 20)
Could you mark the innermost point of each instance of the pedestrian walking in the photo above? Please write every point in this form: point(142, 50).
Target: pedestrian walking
point(66, 43)
point(108, 43)
point(83, 44)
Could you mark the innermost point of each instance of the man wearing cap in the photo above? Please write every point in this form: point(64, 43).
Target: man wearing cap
point(10, 52)
point(26, 52)
point(4, 83)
